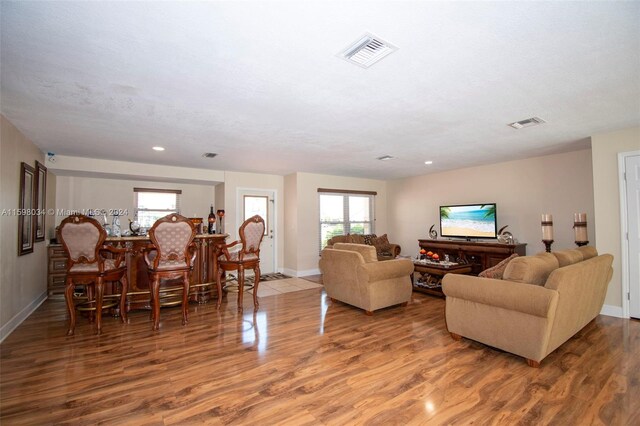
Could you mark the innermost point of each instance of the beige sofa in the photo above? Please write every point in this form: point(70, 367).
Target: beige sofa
point(351, 273)
point(384, 249)
point(540, 303)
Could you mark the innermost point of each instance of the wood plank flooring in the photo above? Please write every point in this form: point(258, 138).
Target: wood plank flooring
point(302, 360)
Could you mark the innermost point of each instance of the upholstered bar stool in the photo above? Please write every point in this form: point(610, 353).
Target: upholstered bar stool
point(170, 256)
point(83, 240)
point(247, 257)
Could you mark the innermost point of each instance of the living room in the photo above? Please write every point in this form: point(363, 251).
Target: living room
point(91, 133)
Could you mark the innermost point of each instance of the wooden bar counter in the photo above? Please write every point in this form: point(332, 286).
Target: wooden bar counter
point(203, 287)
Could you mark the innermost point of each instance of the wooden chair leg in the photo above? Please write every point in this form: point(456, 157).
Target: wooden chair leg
point(256, 281)
point(240, 287)
point(124, 284)
point(185, 298)
point(99, 296)
point(155, 290)
point(219, 285)
point(455, 336)
point(68, 295)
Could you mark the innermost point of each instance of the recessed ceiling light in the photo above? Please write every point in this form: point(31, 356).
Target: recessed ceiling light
point(385, 158)
point(158, 148)
point(428, 162)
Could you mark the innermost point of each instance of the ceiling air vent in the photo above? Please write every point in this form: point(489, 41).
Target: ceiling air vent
point(367, 50)
point(209, 155)
point(533, 121)
point(385, 158)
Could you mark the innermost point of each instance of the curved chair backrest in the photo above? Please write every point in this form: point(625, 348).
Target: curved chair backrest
point(251, 233)
point(172, 236)
point(81, 237)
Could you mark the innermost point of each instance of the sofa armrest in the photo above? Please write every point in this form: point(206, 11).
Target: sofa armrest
point(395, 249)
point(378, 271)
point(525, 298)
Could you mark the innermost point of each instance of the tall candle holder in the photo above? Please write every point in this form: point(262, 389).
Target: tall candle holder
point(580, 229)
point(220, 214)
point(547, 231)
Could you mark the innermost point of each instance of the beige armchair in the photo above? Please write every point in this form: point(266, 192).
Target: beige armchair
point(351, 273)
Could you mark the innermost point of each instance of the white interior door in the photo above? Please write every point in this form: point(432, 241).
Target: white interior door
point(632, 169)
point(262, 203)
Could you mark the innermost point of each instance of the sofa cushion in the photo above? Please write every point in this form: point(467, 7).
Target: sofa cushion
point(339, 239)
point(588, 252)
point(368, 238)
point(531, 269)
point(497, 271)
point(355, 239)
point(381, 244)
point(568, 257)
point(368, 252)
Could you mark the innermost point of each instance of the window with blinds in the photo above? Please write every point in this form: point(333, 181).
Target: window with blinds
point(152, 204)
point(345, 212)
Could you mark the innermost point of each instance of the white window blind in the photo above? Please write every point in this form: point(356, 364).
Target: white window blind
point(345, 212)
point(153, 204)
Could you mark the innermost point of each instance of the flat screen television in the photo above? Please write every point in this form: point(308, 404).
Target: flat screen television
point(469, 221)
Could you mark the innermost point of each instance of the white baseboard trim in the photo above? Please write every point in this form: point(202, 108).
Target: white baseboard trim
point(308, 272)
point(612, 311)
point(294, 273)
point(18, 318)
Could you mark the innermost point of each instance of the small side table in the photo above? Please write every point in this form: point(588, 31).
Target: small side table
point(431, 274)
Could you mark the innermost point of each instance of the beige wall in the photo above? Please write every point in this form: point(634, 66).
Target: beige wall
point(22, 278)
point(291, 222)
point(558, 184)
point(94, 167)
point(307, 234)
point(78, 193)
point(606, 194)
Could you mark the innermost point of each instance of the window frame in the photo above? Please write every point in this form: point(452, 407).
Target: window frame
point(137, 209)
point(346, 223)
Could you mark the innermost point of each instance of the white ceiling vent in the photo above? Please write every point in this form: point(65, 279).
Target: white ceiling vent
point(367, 50)
point(533, 121)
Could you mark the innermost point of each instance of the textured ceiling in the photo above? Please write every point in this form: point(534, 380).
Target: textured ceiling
point(259, 83)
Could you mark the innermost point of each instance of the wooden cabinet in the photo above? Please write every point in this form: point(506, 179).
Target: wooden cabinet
point(202, 279)
point(481, 255)
point(56, 270)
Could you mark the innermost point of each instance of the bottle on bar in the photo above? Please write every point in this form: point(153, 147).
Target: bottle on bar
point(212, 221)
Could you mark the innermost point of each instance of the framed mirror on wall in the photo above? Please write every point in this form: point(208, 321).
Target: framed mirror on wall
point(40, 204)
point(26, 206)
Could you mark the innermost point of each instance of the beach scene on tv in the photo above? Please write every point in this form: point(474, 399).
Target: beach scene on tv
point(468, 221)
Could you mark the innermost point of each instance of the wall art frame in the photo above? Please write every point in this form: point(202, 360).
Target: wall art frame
point(26, 232)
point(39, 219)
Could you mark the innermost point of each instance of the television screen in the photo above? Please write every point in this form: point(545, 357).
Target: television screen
point(468, 221)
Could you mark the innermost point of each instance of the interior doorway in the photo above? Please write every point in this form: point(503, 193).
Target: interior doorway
point(630, 211)
point(262, 203)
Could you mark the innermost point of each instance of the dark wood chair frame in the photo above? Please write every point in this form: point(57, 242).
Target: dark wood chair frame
point(225, 263)
point(155, 275)
point(97, 278)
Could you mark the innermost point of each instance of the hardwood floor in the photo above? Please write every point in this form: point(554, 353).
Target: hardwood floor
point(304, 360)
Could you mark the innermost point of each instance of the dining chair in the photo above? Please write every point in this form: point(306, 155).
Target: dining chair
point(83, 239)
point(246, 256)
point(170, 255)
